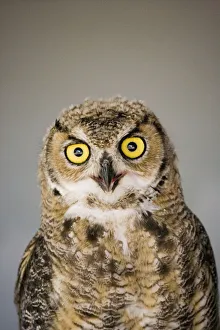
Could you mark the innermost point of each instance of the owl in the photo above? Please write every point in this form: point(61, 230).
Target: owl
point(117, 246)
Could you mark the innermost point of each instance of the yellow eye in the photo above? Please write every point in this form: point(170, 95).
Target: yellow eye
point(133, 147)
point(77, 153)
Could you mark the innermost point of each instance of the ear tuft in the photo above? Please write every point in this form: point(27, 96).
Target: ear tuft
point(60, 127)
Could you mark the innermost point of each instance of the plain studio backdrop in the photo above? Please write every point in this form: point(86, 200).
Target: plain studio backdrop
point(57, 52)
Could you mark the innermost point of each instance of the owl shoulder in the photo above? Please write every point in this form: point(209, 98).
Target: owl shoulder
point(206, 252)
point(33, 286)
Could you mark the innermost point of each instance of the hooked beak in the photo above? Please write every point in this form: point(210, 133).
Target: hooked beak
point(108, 179)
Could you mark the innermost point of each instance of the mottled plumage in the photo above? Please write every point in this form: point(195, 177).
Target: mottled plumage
point(117, 246)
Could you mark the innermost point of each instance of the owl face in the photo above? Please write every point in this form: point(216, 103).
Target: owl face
point(106, 149)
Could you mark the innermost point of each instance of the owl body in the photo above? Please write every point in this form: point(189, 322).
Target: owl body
point(117, 247)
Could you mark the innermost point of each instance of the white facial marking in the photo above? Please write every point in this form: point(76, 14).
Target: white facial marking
point(79, 190)
point(54, 185)
point(118, 220)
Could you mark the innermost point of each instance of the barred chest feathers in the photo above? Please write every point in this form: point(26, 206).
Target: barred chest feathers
point(112, 264)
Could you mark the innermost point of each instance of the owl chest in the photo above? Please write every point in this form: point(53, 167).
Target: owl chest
point(109, 274)
point(112, 250)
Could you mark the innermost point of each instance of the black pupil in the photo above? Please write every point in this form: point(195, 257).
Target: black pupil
point(78, 152)
point(132, 146)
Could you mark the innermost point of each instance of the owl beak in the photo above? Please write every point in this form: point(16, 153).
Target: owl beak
point(107, 174)
point(107, 179)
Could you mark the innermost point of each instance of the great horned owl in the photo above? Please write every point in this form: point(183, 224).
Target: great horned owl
point(117, 247)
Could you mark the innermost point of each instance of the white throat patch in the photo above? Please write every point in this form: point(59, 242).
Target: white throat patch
point(117, 220)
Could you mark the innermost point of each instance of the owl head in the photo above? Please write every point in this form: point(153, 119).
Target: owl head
point(105, 151)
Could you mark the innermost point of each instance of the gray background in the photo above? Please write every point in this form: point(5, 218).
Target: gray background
point(54, 53)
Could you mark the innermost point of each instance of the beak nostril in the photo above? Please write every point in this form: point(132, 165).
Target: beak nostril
point(105, 162)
